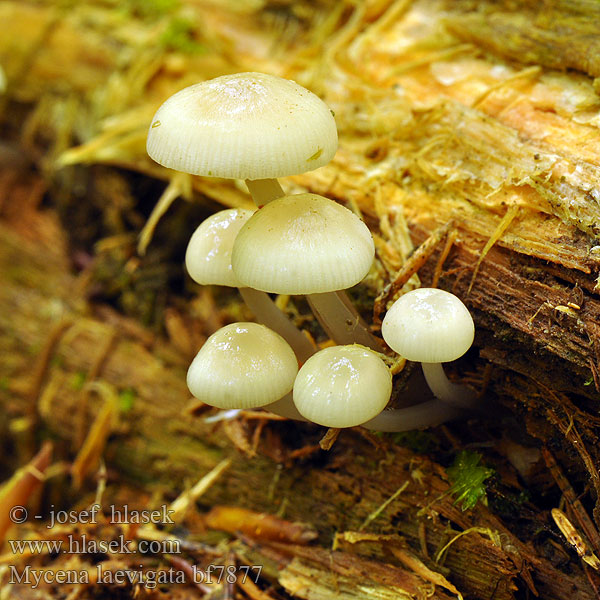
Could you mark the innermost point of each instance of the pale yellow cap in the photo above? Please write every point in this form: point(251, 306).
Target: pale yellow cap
point(242, 365)
point(208, 255)
point(302, 244)
point(246, 126)
point(342, 386)
point(428, 325)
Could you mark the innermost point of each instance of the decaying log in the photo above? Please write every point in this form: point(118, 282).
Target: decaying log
point(156, 440)
point(459, 117)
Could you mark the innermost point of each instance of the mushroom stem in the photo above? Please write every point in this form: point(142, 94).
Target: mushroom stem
point(341, 322)
point(419, 416)
point(446, 391)
point(267, 313)
point(264, 191)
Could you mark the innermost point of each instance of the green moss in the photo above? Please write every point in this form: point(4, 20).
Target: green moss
point(468, 478)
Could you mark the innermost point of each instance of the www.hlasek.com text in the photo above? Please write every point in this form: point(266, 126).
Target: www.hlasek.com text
point(82, 544)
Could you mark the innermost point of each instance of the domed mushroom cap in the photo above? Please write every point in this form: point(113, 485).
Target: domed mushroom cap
point(342, 386)
point(242, 365)
point(247, 126)
point(208, 255)
point(428, 325)
point(302, 244)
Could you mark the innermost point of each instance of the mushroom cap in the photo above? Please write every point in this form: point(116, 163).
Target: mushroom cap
point(342, 386)
point(208, 255)
point(428, 325)
point(302, 244)
point(246, 126)
point(242, 365)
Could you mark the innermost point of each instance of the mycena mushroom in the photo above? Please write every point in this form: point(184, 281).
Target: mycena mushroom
point(342, 386)
point(250, 126)
point(310, 245)
point(432, 326)
point(242, 365)
point(208, 254)
point(256, 127)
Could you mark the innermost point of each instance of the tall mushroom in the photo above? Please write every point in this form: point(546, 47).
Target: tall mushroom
point(250, 126)
point(307, 244)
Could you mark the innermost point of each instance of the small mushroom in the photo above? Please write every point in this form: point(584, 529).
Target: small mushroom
point(250, 126)
point(308, 244)
point(342, 386)
point(208, 255)
point(432, 326)
point(208, 262)
point(242, 365)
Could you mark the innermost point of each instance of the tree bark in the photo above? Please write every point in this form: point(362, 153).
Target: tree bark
point(490, 166)
point(155, 440)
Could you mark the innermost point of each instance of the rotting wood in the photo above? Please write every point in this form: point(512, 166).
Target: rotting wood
point(338, 499)
point(409, 133)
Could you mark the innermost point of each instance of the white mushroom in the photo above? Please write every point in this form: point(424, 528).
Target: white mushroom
point(432, 326)
point(208, 255)
point(342, 386)
point(250, 126)
point(308, 244)
point(242, 365)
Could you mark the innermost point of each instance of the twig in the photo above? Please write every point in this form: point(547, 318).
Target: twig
point(416, 260)
point(383, 506)
point(43, 361)
point(181, 504)
point(563, 483)
point(525, 73)
point(95, 442)
point(504, 224)
point(95, 371)
point(329, 438)
point(443, 256)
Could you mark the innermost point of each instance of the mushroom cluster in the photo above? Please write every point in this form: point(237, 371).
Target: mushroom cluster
point(258, 127)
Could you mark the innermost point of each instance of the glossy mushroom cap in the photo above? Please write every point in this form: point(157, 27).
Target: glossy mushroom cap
point(246, 126)
point(242, 365)
point(342, 386)
point(428, 325)
point(302, 244)
point(208, 255)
